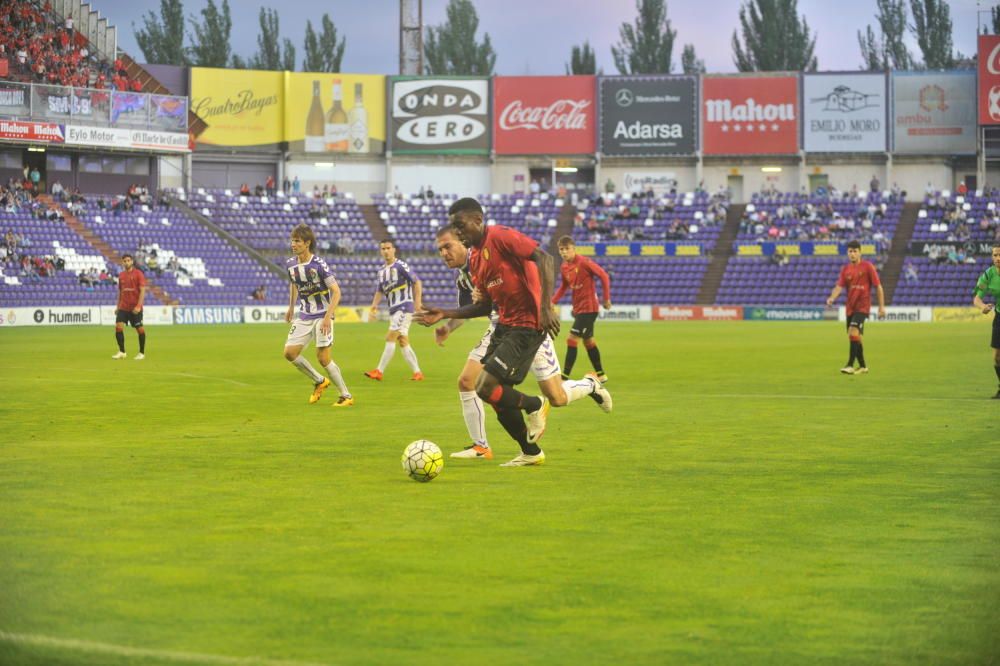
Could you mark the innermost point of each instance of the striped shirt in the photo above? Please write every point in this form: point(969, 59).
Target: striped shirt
point(463, 280)
point(395, 281)
point(314, 281)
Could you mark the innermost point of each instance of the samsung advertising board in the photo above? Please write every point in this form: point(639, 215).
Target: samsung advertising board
point(844, 113)
point(648, 115)
point(439, 115)
point(934, 113)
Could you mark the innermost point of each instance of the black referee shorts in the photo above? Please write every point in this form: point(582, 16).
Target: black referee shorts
point(511, 352)
point(133, 319)
point(857, 319)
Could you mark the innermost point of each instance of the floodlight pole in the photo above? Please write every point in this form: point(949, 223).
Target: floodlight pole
point(411, 37)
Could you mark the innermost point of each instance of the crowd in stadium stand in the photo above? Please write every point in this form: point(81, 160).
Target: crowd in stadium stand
point(815, 218)
point(38, 47)
point(960, 223)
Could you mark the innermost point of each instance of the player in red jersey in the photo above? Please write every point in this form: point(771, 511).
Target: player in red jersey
point(578, 273)
point(131, 294)
point(858, 277)
point(510, 270)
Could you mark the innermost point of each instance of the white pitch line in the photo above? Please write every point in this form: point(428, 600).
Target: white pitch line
point(126, 651)
point(776, 396)
point(187, 374)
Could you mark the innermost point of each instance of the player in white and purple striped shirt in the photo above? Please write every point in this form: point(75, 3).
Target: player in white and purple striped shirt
point(402, 290)
point(315, 289)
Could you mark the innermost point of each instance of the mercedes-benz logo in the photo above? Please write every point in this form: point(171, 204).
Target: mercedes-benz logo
point(624, 97)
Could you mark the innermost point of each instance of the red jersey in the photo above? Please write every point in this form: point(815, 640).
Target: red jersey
point(129, 284)
point(579, 275)
point(859, 280)
point(500, 266)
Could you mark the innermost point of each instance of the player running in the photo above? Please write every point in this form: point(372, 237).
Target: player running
point(858, 277)
point(131, 295)
point(513, 272)
point(578, 273)
point(315, 288)
point(545, 366)
point(402, 290)
point(989, 283)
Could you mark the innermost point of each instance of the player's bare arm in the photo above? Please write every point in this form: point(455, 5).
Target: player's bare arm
point(293, 294)
point(982, 305)
point(836, 293)
point(546, 271)
point(375, 301)
point(418, 293)
point(881, 302)
point(431, 316)
point(441, 333)
point(327, 322)
point(142, 297)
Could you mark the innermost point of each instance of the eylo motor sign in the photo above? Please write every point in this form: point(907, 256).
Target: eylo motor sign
point(440, 116)
point(648, 116)
point(749, 115)
point(844, 113)
point(989, 79)
point(536, 115)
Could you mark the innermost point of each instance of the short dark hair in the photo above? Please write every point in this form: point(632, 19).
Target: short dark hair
point(305, 233)
point(127, 256)
point(565, 241)
point(446, 229)
point(854, 245)
point(465, 205)
point(391, 242)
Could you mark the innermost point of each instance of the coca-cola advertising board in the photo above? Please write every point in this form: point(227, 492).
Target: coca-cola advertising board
point(536, 115)
point(439, 115)
point(648, 115)
point(750, 115)
point(989, 79)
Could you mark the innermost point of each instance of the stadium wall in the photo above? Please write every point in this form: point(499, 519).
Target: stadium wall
point(447, 175)
point(361, 178)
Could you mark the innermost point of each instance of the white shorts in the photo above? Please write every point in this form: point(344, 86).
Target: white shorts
point(400, 321)
point(544, 366)
point(305, 330)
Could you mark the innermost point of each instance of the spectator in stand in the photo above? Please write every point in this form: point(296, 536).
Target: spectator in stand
point(286, 185)
point(244, 190)
point(269, 185)
point(296, 186)
point(962, 189)
point(910, 272)
point(874, 185)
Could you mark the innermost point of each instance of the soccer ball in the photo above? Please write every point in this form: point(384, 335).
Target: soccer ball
point(422, 460)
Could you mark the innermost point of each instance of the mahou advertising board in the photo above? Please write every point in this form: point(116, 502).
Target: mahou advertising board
point(535, 115)
point(750, 115)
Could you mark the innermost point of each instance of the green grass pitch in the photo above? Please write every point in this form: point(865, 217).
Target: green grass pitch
point(744, 504)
